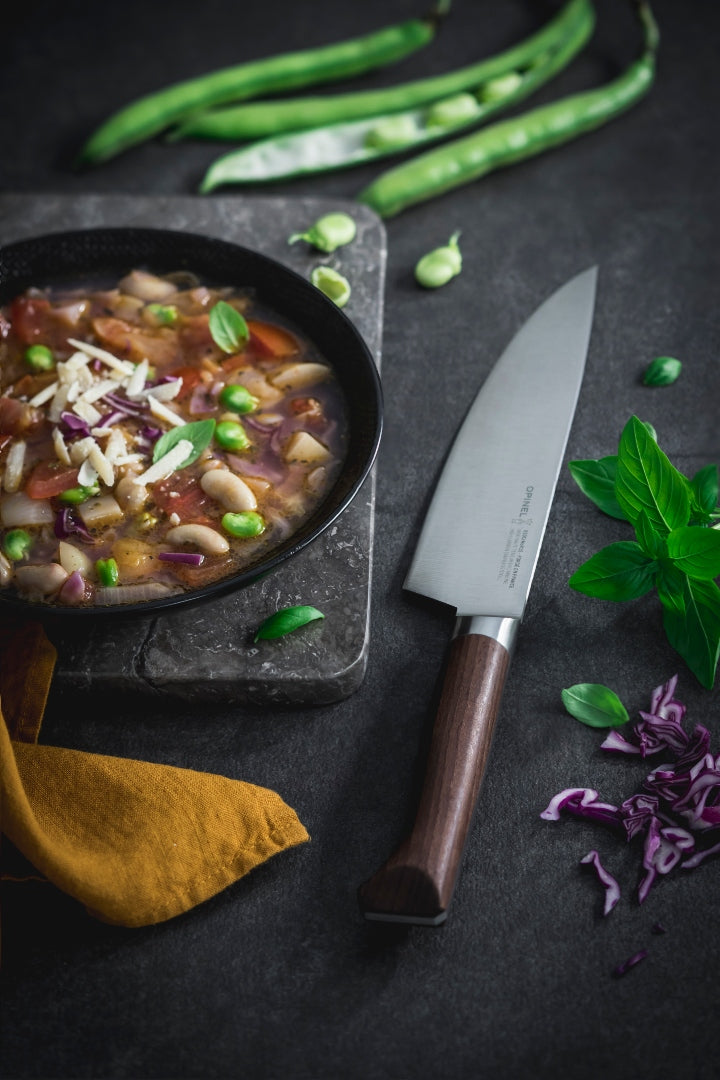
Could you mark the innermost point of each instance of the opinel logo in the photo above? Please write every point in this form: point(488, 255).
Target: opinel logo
point(522, 517)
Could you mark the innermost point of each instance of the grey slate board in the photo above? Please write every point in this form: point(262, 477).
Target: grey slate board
point(206, 652)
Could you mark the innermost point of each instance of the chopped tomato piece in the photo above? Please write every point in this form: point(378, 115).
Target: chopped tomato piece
point(138, 343)
point(270, 340)
point(17, 417)
point(190, 378)
point(181, 494)
point(195, 335)
point(49, 478)
point(308, 407)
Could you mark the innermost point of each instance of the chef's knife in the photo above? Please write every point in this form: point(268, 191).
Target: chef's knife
point(477, 552)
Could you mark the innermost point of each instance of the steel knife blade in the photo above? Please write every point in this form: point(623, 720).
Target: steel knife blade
point(477, 552)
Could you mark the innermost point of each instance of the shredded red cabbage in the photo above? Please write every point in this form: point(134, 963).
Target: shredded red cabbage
point(190, 558)
point(130, 408)
point(72, 425)
point(612, 889)
point(622, 969)
point(68, 524)
point(680, 802)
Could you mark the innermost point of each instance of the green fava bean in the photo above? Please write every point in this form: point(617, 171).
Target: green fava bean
point(246, 523)
point(16, 544)
point(237, 399)
point(333, 284)
point(329, 232)
point(76, 495)
point(231, 436)
point(108, 572)
point(39, 358)
point(439, 266)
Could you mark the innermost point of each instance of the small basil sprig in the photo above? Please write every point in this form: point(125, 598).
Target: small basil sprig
point(199, 433)
point(595, 705)
point(228, 328)
point(286, 620)
point(676, 550)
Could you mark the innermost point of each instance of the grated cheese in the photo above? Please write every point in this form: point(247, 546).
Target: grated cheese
point(104, 356)
point(44, 395)
point(166, 464)
point(163, 413)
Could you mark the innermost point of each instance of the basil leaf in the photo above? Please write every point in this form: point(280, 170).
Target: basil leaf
point(705, 489)
point(596, 479)
point(647, 481)
point(691, 618)
point(620, 571)
point(650, 541)
point(595, 705)
point(228, 328)
point(696, 551)
point(662, 371)
point(199, 433)
point(286, 620)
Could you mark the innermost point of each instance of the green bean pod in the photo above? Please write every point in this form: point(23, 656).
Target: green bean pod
point(151, 114)
point(503, 143)
point(269, 118)
point(358, 142)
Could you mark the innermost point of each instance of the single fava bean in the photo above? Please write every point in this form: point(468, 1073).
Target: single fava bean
point(333, 284)
point(439, 266)
point(329, 232)
point(247, 523)
point(231, 436)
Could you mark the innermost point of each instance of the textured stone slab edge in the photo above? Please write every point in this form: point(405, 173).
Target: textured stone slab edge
point(173, 655)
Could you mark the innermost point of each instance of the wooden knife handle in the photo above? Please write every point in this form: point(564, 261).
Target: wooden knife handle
point(416, 883)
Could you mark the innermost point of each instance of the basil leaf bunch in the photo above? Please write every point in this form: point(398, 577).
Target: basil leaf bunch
point(676, 549)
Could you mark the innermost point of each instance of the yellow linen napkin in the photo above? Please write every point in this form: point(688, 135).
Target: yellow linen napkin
point(136, 843)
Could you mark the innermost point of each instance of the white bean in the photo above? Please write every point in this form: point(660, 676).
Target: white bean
point(199, 536)
point(131, 496)
point(40, 580)
point(71, 558)
point(229, 490)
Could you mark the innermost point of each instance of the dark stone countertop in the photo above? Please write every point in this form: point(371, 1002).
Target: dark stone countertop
point(279, 977)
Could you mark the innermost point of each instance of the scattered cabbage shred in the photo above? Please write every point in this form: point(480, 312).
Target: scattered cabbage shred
point(679, 806)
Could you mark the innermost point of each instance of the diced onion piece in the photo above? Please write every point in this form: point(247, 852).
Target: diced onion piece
point(133, 594)
point(104, 356)
point(44, 395)
point(163, 413)
point(304, 447)
point(136, 382)
point(317, 479)
point(61, 450)
point(74, 590)
point(300, 376)
point(14, 465)
point(146, 286)
point(166, 464)
point(71, 558)
point(19, 510)
point(100, 510)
